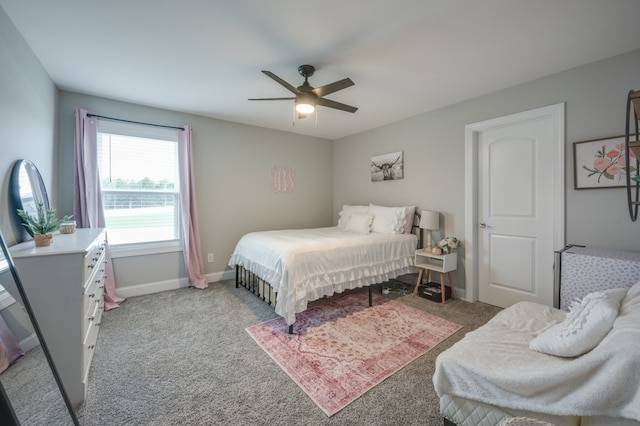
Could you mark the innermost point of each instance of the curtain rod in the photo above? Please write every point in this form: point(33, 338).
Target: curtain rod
point(135, 122)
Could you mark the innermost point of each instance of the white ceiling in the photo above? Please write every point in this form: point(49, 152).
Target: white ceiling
point(406, 57)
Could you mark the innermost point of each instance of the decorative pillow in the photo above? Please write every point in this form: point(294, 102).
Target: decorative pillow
point(348, 210)
point(410, 212)
point(359, 223)
point(586, 324)
point(387, 220)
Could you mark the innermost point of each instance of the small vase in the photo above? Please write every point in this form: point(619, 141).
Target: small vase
point(42, 240)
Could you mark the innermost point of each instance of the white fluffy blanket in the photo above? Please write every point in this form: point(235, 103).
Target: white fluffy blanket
point(494, 365)
point(306, 264)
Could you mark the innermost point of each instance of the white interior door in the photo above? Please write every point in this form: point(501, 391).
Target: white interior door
point(519, 173)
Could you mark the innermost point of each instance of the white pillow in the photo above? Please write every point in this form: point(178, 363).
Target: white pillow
point(409, 213)
point(387, 220)
point(586, 324)
point(359, 223)
point(348, 210)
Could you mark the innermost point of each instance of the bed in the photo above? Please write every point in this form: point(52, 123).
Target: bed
point(578, 366)
point(289, 268)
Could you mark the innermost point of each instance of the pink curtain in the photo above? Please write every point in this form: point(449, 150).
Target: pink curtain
point(87, 201)
point(10, 350)
point(189, 213)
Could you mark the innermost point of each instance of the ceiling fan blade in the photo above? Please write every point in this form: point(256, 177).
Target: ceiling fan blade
point(270, 99)
point(333, 87)
point(289, 87)
point(336, 105)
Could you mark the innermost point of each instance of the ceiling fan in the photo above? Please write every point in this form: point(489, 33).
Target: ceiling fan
point(307, 97)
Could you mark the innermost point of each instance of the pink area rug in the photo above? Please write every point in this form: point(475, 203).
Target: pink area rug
point(341, 349)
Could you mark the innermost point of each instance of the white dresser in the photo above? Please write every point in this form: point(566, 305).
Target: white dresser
point(65, 286)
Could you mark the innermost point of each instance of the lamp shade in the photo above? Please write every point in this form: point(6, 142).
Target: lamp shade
point(429, 220)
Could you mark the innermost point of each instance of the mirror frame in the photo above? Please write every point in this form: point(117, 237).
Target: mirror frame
point(16, 199)
point(36, 328)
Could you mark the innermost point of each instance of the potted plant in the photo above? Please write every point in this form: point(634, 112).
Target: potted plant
point(42, 225)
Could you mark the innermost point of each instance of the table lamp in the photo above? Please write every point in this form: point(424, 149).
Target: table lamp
point(429, 220)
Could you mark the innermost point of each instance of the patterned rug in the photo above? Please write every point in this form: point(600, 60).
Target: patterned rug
point(341, 349)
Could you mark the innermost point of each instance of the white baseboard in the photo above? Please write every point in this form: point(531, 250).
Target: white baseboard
point(149, 288)
point(158, 286)
point(28, 343)
point(227, 274)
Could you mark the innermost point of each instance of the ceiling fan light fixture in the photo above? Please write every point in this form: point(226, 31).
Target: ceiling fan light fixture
point(304, 108)
point(305, 103)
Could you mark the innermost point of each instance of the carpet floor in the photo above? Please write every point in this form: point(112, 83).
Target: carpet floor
point(184, 357)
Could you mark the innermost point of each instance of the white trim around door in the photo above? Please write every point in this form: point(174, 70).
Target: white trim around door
point(557, 113)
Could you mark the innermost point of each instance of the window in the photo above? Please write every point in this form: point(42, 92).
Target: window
point(139, 177)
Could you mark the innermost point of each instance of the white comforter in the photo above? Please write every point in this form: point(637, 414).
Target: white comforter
point(306, 264)
point(494, 365)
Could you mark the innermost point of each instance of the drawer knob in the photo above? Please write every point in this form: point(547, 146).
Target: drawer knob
point(91, 347)
point(92, 318)
point(92, 295)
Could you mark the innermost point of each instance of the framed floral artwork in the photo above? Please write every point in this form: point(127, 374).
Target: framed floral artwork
point(601, 163)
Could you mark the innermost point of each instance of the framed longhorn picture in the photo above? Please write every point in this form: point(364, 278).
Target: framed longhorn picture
point(387, 167)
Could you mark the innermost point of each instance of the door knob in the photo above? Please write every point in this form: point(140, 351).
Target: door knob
point(482, 225)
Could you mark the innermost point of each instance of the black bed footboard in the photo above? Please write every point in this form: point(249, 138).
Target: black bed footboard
point(258, 287)
point(263, 290)
point(255, 285)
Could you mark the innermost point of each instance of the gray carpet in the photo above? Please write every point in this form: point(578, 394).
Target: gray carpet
point(184, 357)
point(33, 392)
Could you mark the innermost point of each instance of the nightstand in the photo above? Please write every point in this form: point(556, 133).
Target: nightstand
point(442, 263)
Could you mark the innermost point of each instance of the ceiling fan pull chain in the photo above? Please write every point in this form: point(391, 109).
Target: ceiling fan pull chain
point(293, 121)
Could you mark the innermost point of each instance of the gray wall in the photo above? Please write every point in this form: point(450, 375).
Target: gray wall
point(433, 145)
point(233, 165)
point(28, 101)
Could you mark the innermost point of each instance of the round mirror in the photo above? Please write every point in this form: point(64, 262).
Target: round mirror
point(26, 190)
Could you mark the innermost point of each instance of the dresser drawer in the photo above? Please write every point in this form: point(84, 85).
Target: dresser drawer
point(93, 306)
point(92, 299)
point(90, 340)
point(93, 259)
